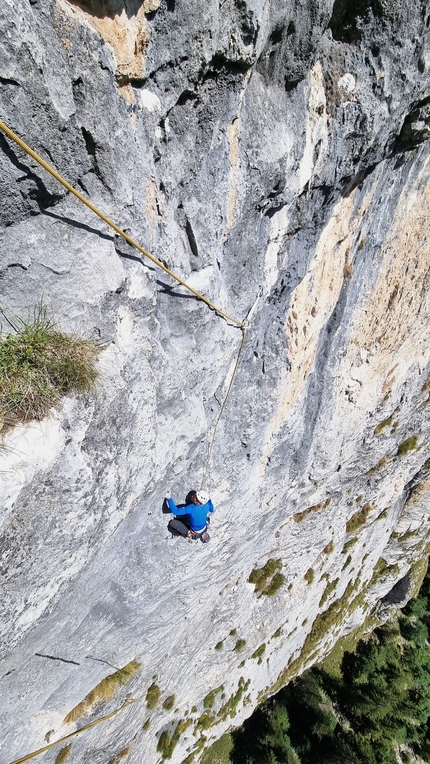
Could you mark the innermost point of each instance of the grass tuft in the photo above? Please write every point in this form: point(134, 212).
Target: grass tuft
point(299, 516)
point(259, 652)
point(359, 519)
point(407, 445)
point(347, 562)
point(152, 696)
point(268, 579)
point(219, 752)
point(382, 462)
point(63, 755)
point(169, 703)
point(382, 425)
point(103, 691)
point(349, 544)
point(328, 590)
point(240, 644)
point(167, 744)
point(121, 755)
point(38, 366)
point(209, 700)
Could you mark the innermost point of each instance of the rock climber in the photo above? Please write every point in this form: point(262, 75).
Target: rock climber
point(197, 507)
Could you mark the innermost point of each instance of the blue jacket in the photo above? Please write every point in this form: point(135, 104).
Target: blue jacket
point(196, 512)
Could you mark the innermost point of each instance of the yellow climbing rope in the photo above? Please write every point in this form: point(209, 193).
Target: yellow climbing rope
point(157, 262)
point(110, 223)
point(222, 408)
point(221, 313)
point(33, 754)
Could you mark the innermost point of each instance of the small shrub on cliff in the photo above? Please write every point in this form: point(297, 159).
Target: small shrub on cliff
point(104, 690)
point(359, 519)
point(64, 755)
point(152, 696)
point(167, 743)
point(381, 426)
point(329, 548)
point(240, 644)
point(259, 652)
point(169, 703)
point(382, 462)
point(299, 516)
point(407, 445)
point(209, 700)
point(268, 579)
point(328, 590)
point(39, 365)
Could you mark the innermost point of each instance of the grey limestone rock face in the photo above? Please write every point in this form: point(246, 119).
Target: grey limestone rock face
point(275, 157)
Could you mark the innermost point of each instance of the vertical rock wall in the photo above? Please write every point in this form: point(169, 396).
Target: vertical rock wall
point(273, 155)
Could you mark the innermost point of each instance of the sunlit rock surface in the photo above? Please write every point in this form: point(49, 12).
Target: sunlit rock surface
point(275, 157)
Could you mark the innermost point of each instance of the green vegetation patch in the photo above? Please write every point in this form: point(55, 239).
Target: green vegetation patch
point(299, 516)
point(105, 690)
point(382, 462)
point(240, 644)
point(358, 519)
point(349, 544)
point(372, 707)
point(259, 652)
point(331, 586)
point(121, 755)
point(38, 366)
point(310, 575)
point(347, 562)
point(205, 721)
point(381, 568)
point(331, 664)
point(167, 743)
point(63, 755)
point(152, 696)
point(169, 703)
point(209, 700)
point(219, 645)
point(219, 752)
point(229, 707)
point(383, 425)
point(200, 744)
point(190, 758)
point(407, 445)
point(323, 624)
point(268, 579)
point(329, 548)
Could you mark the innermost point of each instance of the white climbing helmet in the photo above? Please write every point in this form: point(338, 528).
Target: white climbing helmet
point(202, 497)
